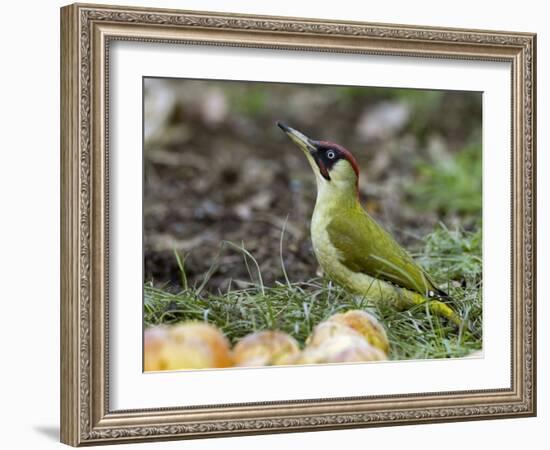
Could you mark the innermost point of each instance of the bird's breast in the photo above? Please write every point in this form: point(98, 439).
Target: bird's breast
point(327, 255)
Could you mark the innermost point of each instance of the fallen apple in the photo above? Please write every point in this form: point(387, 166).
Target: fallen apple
point(191, 345)
point(265, 348)
point(365, 324)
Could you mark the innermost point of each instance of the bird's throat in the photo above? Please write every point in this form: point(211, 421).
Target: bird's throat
point(336, 194)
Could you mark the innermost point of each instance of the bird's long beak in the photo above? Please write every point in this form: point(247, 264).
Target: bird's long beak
point(300, 139)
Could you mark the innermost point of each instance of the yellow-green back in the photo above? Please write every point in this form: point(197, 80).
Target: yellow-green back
point(365, 247)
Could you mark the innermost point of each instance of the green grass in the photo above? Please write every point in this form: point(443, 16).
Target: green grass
point(452, 257)
point(450, 184)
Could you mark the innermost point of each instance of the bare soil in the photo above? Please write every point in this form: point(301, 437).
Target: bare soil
point(216, 168)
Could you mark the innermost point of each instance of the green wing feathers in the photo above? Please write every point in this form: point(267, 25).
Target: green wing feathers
point(366, 247)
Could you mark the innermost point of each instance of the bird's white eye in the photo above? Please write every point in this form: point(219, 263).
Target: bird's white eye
point(330, 154)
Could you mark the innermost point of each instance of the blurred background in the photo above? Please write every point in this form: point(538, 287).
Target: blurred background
point(217, 168)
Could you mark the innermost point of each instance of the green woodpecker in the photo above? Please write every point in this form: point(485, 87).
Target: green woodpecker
point(352, 249)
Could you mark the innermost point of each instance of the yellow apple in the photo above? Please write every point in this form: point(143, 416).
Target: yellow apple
point(365, 324)
point(327, 330)
point(265, 348)
point(154, 339)
point(190, 345)
point(341, 348)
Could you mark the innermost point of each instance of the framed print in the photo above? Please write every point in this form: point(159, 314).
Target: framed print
point(278, 224)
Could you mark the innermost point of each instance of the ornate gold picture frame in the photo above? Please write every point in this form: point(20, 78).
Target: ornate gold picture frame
point(87, 32)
